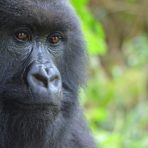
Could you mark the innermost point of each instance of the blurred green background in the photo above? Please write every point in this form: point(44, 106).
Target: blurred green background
point(116, 96)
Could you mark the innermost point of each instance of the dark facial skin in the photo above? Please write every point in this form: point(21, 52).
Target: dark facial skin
point(41, 69)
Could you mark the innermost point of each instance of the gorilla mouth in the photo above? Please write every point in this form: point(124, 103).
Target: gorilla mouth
point(17, 105)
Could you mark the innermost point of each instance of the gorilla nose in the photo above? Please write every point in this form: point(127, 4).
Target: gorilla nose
point(43, 77)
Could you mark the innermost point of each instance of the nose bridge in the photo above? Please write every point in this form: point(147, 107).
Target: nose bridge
point(40, 53)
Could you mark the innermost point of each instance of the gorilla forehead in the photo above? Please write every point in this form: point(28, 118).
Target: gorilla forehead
point(38, 12)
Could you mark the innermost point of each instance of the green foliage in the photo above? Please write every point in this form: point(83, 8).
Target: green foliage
point(137, 53)
point(92, 29)
point(132, 1)
point(115, 108)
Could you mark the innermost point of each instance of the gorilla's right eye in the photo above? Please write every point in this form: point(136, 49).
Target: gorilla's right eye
point(23, 36)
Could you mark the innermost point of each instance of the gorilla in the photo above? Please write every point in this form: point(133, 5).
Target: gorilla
point(42, 67)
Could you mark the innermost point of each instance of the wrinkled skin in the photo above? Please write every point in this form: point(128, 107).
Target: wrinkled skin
point(42, 62)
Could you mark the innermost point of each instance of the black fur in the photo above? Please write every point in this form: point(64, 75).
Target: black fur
point(60, 123)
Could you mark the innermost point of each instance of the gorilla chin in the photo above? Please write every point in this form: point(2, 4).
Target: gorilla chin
point(42, 67)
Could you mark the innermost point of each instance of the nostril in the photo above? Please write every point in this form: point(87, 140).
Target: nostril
point(55, 80)
point(41, 79)
point(47, 70)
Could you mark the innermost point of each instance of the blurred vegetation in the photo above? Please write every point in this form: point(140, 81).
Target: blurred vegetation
point(116, 97)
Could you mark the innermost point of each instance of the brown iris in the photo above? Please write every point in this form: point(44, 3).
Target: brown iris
point(55, 38)
point(22, 36)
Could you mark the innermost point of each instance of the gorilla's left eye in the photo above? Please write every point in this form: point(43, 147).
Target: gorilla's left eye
point(55, 38)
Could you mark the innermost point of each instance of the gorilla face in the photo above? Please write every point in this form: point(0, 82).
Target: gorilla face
point(38, 43)
point(41, 70)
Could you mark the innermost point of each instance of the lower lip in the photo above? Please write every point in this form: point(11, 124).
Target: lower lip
point(13, 104)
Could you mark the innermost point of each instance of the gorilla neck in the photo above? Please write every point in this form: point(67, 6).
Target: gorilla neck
point(28, 129)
